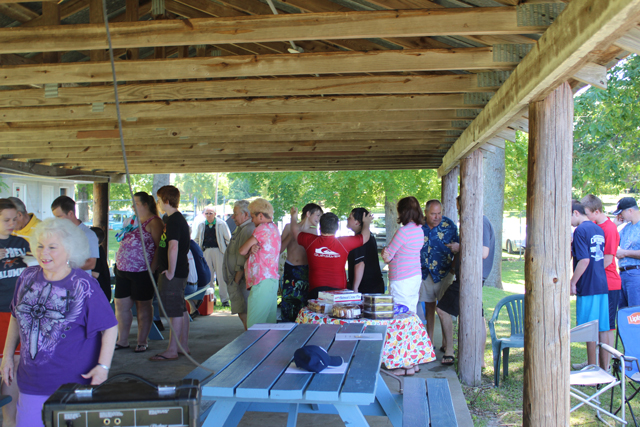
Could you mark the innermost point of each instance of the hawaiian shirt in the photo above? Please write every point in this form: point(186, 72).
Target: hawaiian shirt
point(264, 264)
point(435, 257)
point(630, 239)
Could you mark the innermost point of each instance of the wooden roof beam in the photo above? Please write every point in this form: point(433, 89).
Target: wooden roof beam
point(630, 41)
point(265, 65)
point(31, 169)
point(560, 52)
point(256, 29)
point(242, 88)
point(137, 110)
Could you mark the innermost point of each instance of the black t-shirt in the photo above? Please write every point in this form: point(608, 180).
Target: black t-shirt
point(11, 267)
point(372, 282)
point(104, 278)
point(177, 229)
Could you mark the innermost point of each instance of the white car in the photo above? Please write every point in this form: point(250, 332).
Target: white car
point(514, 238)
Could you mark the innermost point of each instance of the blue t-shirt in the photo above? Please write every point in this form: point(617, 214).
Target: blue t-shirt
point(630, 239)
point(588, 243)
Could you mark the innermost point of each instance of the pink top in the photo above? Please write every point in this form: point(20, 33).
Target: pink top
point(264, 264)
point(404, 251)
point(129, 256)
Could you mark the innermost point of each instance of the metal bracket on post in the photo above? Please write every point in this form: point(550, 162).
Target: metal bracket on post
point(51, 90)
point(510, 52)
point(533, 15)
point(493, 78)
point(477, 98)
point(470, 112)
point(98, 107)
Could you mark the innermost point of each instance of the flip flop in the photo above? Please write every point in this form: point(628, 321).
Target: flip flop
point(447, 360)
point(141, 348)
point(161, 358)
point(122, 347)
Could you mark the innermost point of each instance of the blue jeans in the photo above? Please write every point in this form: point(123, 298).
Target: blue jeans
point(630, 288)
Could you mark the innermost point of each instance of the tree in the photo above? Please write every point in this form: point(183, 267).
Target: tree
point(515, 182)
point(341, 191)
point(606, 150)
point(202, 187)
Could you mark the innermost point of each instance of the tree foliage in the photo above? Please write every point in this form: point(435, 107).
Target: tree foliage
point(341, 191)
point(515, 179)
point(201, 187)
point(606, 151)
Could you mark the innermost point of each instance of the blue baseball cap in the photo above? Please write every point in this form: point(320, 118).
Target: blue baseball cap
point(314, 358)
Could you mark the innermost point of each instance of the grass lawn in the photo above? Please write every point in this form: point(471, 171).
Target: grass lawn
point(502, 406)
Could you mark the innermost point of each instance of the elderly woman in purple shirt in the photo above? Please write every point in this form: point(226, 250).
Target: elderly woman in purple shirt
point(62, 320)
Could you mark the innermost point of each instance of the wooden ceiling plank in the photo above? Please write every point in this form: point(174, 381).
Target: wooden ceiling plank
point(284, 86)
point(265, 65)
point(582, 27)
point(164, 137)
point(17, 12)
point(137, 110)
point(256, 29)
point(592, 74)
point(630, 41)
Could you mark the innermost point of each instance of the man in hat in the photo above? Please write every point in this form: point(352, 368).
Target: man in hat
point(629, 252)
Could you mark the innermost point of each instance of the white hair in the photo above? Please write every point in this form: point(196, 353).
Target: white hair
point(243, 205)
point(72, 239)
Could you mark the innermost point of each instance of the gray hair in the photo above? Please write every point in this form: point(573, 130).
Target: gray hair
point(432, 202)
point(70, 236)
point(243, 205)
point(20, 207)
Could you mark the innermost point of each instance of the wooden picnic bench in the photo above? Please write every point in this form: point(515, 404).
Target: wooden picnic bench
point(427, 403)
point(251, 375)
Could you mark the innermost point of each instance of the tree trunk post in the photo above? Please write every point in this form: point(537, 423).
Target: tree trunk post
point(101, 210)
point(493, 208)
point(449, 193)
point(547, 261)
point(471, 323)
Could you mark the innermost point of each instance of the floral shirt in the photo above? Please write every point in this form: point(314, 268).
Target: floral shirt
point(435, 257)
point(130, 255)
point(264, 264)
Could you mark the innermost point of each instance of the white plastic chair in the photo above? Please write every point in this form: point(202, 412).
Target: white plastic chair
point(594, 375)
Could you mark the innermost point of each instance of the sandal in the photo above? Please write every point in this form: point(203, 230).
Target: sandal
point(447, 360)
point(141, 348)
point(122, 347)
point(403, 372)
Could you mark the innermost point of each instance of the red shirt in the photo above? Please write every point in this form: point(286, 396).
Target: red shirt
point(611, 243)
point(327, 257)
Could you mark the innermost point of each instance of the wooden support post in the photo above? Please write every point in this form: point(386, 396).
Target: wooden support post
point(449, 193)
point(471, 323)
point(547, 264)
point(101, 210)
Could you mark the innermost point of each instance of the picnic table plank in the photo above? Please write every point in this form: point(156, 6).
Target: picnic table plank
point(326, 387)
point(225, 382)
point(440, 403)
point(260, 381)
point(226, 355)
point(360, 383)
point(291, 386)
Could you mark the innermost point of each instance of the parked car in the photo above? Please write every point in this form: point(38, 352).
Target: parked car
point(116, 218)
point(514, 238)
point(379, 230)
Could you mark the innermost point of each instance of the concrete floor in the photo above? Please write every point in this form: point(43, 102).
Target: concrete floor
point(208, 334)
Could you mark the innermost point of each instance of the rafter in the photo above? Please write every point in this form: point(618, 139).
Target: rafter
point(250, 29)
point(284, 86)
point(265, 65)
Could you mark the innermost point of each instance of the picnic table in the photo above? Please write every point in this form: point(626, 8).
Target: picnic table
point(407, 342)
point(252, 373)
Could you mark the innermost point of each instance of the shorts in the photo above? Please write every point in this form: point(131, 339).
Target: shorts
point(172, 295)
point(406, 291)
point(138, 286)
point(593, 307)
point(432, 292)
point(614, 300)
point(295, 287)
point(263, 303)
point(450, 301)
point(238, 296)
point(5, 318)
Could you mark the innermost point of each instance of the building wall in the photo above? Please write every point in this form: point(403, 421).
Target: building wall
point(36, 193)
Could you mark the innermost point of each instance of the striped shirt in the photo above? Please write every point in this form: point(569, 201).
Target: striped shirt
point(404, 251)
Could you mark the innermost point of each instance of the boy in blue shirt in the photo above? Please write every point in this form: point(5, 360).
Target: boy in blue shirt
point(589, 281)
